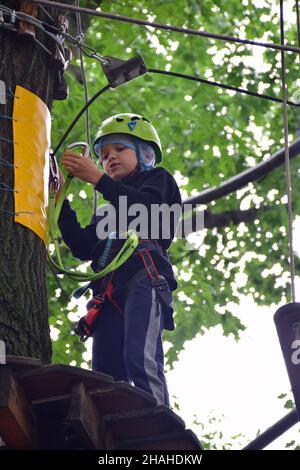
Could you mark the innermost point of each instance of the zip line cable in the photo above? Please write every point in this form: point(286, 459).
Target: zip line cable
point(189, 77)
point(50, 31)
point(232, 184)
point(47, 14)
point(178, 29)
point(86, 97)
point(54, 152)
point(34, 21)
point(90, 52)
point(287, 158)
point(298, 23)
point(83, 76)
point(222, 85)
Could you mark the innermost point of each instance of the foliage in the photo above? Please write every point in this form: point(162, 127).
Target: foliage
point(208, 135)
point(289, 405)
point(213, 434)
point(212, 437)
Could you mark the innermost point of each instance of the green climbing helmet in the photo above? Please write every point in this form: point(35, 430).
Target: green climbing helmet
point(131, 124)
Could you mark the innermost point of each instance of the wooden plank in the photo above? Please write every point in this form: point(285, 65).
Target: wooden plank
point(22, 363)
point(183, 440)
point(116, 398)
point(122, 397)
point(17, 418)
point(58, 379)
point(83, 418)
point(144, 423)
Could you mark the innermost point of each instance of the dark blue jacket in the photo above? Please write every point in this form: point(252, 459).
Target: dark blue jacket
point(155, 186)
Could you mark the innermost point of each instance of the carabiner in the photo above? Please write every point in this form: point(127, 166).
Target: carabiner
point(54, 171)
point(86, 148)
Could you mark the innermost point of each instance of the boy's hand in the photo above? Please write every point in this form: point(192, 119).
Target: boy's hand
point(83, 168)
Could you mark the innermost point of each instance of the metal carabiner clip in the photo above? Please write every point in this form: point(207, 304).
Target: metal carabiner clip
point(54, 171)
point(86, 148)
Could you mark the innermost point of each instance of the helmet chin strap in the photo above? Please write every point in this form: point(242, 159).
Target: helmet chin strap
point(139, 166)
point(140, 163)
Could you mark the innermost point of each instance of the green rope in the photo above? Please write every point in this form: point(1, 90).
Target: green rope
point(126, 251)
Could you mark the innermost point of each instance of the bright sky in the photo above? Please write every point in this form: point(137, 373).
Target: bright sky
point(216, 376)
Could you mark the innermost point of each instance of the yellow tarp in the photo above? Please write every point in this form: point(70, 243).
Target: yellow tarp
point(31, 128)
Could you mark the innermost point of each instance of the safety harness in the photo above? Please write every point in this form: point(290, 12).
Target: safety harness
point(85, 326)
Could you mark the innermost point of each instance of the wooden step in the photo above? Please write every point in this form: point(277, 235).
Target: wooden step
point(121, 427)
point(18, 423)
point(182, 440)
point(115, 398)
point(20, 363)
point(58, 379)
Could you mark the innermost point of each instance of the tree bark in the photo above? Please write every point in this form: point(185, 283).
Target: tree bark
point(23, 289)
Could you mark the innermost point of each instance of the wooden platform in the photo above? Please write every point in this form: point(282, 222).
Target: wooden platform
point(63, 407)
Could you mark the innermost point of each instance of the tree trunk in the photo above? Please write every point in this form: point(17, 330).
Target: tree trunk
point(23, 289)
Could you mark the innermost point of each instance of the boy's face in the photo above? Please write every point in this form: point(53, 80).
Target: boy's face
point(118, 160)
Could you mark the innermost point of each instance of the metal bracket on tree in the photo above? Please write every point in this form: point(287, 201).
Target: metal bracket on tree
point(60, 60)
point(119, 71)
point(8, 19)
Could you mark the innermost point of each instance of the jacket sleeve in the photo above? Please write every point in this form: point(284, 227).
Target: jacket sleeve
point(81, 241)
point(158, 187)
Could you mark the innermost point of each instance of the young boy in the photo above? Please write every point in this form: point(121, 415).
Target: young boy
point(127, 337)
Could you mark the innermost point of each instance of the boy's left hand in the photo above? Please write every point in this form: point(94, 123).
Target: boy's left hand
point(81, 167)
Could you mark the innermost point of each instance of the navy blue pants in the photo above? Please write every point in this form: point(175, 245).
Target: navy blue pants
point(129, 346)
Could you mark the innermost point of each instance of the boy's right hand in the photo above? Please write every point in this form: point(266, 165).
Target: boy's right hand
point(81, 167)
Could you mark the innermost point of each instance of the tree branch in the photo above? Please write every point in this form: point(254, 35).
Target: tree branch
point(222, 219)
point(242, 179)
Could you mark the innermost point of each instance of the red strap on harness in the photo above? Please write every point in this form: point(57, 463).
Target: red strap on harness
point(93, 311)
point(149, 264)
point(84, 328)
point(109, 295)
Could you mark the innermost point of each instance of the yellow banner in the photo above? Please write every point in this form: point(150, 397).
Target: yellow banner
point(31, 128)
